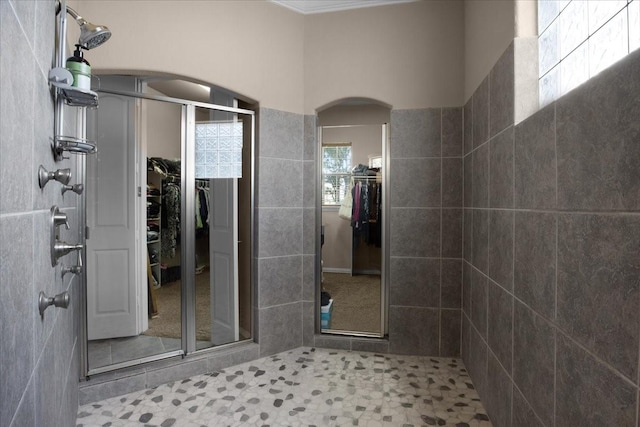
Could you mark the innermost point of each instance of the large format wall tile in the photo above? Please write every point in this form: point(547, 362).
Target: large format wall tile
point(533, 360)
point(501, 170)
point(597, 141)
point(452, 132)
point(452, 233)
point(590, 394)
point(467, 191)
point(416, 133)
point(452, 182)
point(476, 361)
point(480, 176)
point(523, 415)
point(535, 261)
point(280, 280)
point(499, 391)
point(479, 301)
point(480, 239)
point(413, 330)
point(467, 119)
point(416, 182)
point(280, 134)
point(279, 232)
point(501, 247)
point(451, 284)
point(415, 232)
point(415, 282)
point(535, 161)
point(450, 325)
point(500, 324)
point(598, 287)
point(280, 328)
point(281, 183)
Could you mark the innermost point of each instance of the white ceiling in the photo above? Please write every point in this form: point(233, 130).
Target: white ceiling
point(320, 6)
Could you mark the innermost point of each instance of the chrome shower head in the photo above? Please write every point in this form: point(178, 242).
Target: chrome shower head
point(91, 35)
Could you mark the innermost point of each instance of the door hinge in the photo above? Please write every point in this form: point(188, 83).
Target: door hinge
point(86, 233)
point(139, 191)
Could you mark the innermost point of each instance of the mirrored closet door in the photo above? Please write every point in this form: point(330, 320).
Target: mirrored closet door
point(169, 224)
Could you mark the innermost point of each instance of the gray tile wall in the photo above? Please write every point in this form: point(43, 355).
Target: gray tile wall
point(551, 296)
point(39, 356)
point(284, 255)
point(426, 194)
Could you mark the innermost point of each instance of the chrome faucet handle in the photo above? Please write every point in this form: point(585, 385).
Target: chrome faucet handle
point(61, 175)
point(60, 249)
point(59, 218)
point(77, 188)
point(74, 269)
point(61, 300)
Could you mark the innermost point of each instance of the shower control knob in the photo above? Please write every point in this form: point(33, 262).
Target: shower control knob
point(77, 188)
point(61, 175)
point(61, 300)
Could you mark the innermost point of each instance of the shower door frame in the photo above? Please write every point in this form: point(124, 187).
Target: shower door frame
point(188, 263)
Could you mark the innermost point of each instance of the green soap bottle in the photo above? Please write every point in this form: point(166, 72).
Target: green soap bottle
point(80, 69)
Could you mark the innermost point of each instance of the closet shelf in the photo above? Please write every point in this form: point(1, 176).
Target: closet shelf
point(153, 241)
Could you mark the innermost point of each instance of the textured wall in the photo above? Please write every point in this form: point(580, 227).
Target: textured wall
point(39, 357)
point(551, 297)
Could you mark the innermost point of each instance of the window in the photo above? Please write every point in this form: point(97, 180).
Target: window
point(578, 39)
point(336, 167)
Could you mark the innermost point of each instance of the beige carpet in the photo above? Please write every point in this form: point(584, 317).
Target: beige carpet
point(356, 301)
point(168, 323)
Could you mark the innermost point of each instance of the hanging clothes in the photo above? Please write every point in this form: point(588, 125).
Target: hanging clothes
point(170, 219)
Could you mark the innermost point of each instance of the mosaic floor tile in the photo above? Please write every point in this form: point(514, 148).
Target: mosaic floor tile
point(306, 387)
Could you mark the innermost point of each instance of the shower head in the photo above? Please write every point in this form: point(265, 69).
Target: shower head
point(90, 35)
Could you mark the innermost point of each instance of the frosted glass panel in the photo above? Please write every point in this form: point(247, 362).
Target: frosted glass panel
point(634, 25)
point(219, 150)
point(574, 69)
point(547, 12)
point(608, 44)
point(548, 48)
point(573, 29)
point(549, 87)
point(600, 11)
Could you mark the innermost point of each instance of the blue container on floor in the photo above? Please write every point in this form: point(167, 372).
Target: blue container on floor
point(325, 315)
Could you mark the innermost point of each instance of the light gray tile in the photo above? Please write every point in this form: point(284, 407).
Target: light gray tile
point(100, 391)
point(281, 134)
point(176, 372)
point(45, 23)
point(451, 288)
point(452, 233)
point(501, 247)
point(588, 393)
point(598, 291)
point(499, 396)
point(125, 349)
point(308, 323)
point(48, 386)
point(533, 371)
point(501, 183)
point(414, 330)
point(310, 139)
point(309, 186)
point(598, 158)
point(280, 280)
point(416, 182)
point(308, 277)
point(25, 413)
point(280, 183)
point(450, 332)
point(17, 304)
point(416, 133)
point(233, 356)
point(373, 345)
point(500, 325)
point(415, 232)
point(309, 231)
point(481, 113)
point(534, 273)
point(480, 177)
point(535, 161)
point(280, 328)
point(16, 125)
point(414, 282)
point(335, 342)
point(452, 132)
point(452, 182)
point(501, 92)
point(279, 232)
point(25, 13)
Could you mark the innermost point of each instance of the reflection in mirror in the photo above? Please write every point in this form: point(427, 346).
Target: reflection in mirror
point(352, 206)
point(136, 280)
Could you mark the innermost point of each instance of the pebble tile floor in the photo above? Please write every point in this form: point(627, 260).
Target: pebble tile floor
point(306, 387)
